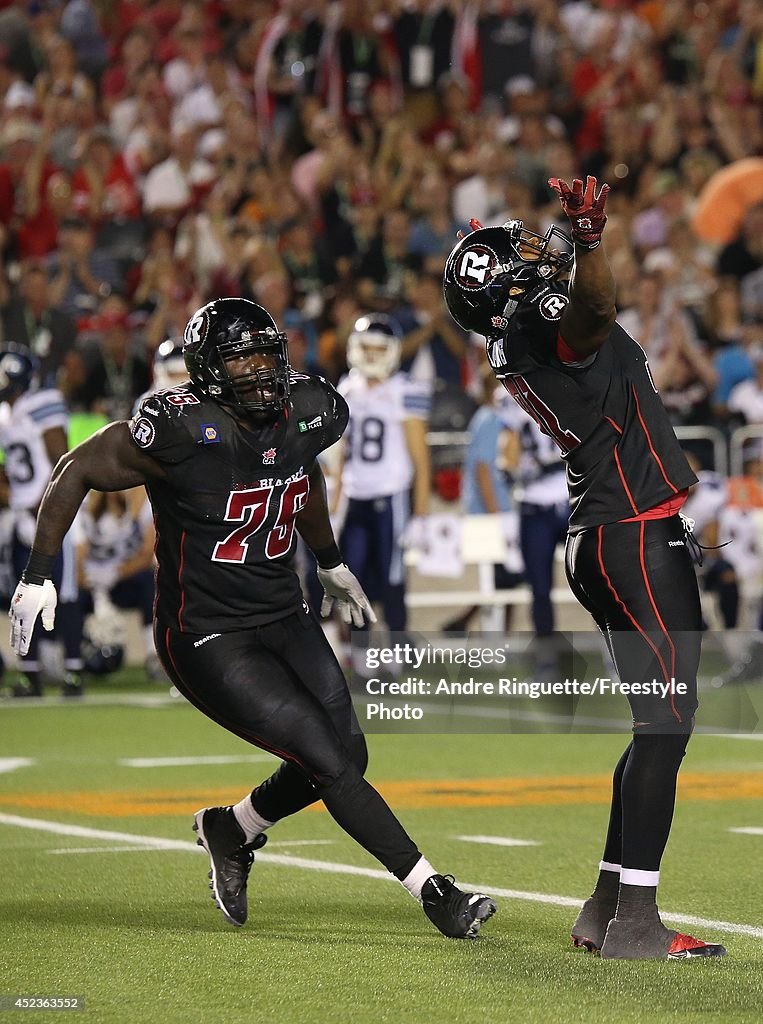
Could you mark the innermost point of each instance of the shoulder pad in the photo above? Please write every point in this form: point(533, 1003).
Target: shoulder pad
point(318, 409)
point(160, 426)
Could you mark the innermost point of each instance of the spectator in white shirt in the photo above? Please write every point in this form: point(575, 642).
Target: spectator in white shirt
point(173, 186)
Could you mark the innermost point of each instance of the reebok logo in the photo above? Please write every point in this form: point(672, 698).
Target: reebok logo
point(198, 643)
point(675, 543)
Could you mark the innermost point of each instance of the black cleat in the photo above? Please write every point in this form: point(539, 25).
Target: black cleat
point(26, 686)
point(650, 940)
point(230, 857)
point(72, 685)
point(590, 927)
point(459, 915)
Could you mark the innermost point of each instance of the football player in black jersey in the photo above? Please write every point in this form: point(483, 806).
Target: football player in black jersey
point(229, 463)
point(549, 319)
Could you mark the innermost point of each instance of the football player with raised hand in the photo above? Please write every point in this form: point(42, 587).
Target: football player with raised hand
point(33, 425)
point(385, 472)
point(229, 463)
point(557, 348)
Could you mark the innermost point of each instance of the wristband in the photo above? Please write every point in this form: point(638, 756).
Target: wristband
point(329, 557)
point(38, 569)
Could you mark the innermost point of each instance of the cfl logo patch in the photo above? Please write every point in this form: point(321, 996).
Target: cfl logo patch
point(552, 306)
point(474, 266)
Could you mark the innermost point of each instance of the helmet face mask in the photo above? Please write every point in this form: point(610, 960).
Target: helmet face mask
point(374, 347)
point(492, 271)
point(218, 337)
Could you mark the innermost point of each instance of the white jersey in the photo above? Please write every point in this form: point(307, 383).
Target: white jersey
point(540, 477)
point(377, 462)
point(112, 538)
point(706, 500)
point(27, 465)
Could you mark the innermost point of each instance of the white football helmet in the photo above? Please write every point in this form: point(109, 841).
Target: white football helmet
point(169, 365)
point(374, 346)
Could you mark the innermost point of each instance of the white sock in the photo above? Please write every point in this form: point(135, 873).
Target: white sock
point(249, 820)
point(606, 866)
point(633, 876)
point(148, 640)
point(415, 879)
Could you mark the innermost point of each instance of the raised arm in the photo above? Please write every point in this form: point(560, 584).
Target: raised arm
point(588, 318)
point(108, 461)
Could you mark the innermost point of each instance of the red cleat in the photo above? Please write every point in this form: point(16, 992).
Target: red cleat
point(684, 946)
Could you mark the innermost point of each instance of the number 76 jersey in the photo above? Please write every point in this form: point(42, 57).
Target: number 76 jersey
point(225, 514)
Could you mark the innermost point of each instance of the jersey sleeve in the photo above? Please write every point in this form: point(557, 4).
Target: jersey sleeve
point(417, 400)
point(158, 428)
point(47, 410)
point(321, 412)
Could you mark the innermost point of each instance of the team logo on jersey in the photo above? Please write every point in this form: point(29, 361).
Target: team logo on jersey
point(552, 306)
point(210, 434)
point(474, 265)
point(499, 321)
point(312, 424)
point(269, 457)
point(143, 432)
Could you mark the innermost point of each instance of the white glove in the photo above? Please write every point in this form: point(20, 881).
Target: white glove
point(29, 599)
point(342, 586)
point(100, 575)
point(415, 533)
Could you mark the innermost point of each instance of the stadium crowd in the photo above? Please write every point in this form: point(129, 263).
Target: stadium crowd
point(319, 158)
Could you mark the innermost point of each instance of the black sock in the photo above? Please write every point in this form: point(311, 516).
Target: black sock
point(636, 903)
point(648, 797)
point(607, 887)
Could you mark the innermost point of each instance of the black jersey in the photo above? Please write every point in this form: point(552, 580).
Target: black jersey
point(603, 412)
point(225, 512)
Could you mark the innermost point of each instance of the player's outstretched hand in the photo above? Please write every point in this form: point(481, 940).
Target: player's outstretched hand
point(340, 585)
point(28, 601)
point(584, 207)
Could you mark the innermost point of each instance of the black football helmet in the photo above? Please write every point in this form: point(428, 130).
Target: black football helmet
point(492, 270)
point(18, 368)
point(218, 333)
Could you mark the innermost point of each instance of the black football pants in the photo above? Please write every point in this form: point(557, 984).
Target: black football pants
point(280, 687)
point(638, 582)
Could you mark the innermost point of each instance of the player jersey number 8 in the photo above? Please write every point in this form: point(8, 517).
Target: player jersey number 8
point(366, 439)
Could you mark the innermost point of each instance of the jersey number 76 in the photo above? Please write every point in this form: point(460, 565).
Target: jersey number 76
point(250, 508)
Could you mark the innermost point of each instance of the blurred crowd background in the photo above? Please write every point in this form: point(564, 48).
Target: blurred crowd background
point(320, 157)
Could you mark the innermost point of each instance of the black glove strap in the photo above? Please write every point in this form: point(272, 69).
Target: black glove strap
point(329, 557)
point(38, 569)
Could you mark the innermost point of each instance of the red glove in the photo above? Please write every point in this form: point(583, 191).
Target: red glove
point(585, 209)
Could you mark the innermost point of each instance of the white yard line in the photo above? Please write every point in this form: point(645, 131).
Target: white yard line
point(497, 841)
point(10, 764)
point(182, 762)
point(154, 842)
point(748, 831)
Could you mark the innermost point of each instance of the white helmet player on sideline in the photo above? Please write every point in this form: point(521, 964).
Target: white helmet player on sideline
point(169, 365)
point(374, 346)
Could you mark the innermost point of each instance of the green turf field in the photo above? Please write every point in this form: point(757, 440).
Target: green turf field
point(130, 927)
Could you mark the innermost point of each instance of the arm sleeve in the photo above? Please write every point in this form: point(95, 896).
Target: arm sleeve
point(417, 400)
point(48, 410)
